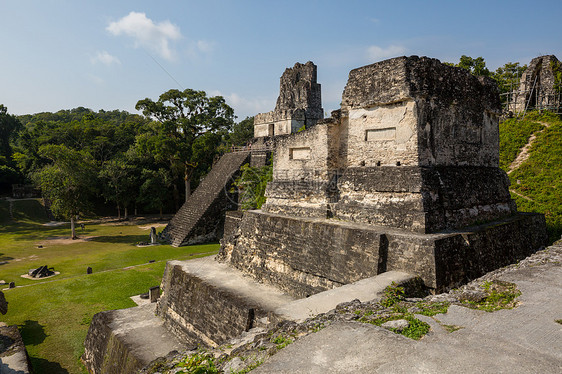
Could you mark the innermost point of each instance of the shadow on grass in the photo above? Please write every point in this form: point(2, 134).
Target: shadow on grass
point(131, 239)
point(4, 259)
point(32, 332)
point(34, 231)
point(40, 365)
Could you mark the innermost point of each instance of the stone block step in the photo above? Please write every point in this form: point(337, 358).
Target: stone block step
point(126, 340)
point(210, 302)
point(364, 290)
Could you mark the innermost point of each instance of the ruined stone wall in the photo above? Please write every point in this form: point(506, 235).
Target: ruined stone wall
point(105, 352)
point(189, 305)
point(423, 199)
point(537, 87)
point(303, 256)
point(304, 170)
point(299, 103)
point(417, 111)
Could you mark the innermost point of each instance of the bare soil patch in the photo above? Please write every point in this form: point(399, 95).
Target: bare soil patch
point(64, 240)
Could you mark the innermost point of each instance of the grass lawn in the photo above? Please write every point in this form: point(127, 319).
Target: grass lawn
point(54, 314)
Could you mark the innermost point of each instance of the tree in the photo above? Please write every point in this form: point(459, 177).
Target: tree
point(508, 76)
point(242, 132)
point(476, 66)
point(9, 127)
point(120, 183)
point(67, 182)
point(181, 118)
point(154, 190)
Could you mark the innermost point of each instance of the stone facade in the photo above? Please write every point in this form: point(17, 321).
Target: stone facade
point(415, 146)
point(299, 103)
point(403, 177)
point(538, 87)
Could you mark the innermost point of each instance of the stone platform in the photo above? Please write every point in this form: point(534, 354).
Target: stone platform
point(305, 256)
point(126, 340)
point(206, 303)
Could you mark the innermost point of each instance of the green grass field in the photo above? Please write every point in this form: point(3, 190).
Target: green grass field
point(54, 314)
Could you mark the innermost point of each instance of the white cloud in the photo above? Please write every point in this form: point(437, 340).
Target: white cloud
point(146, 33)
point(205, 46)
point(105, 58)
point(244, 107)
point(377, 53)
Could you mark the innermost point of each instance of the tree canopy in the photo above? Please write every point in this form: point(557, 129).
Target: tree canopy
point(180, 119)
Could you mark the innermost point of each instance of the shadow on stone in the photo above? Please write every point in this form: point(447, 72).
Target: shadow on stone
point(32, 332)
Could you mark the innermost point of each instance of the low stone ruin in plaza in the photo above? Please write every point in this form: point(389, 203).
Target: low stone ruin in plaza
point(401, 183)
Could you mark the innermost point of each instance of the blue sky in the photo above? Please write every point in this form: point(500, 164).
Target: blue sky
point(61, 54)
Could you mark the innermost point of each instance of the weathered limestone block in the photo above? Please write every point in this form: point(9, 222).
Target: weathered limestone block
point(417, 111)
point(423, 199)
point(206, 302)
point(13, 355)
point(304, 256)
point(126, 340)
point(305, 172)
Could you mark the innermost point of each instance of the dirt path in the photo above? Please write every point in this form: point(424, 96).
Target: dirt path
point(521, 196)
point(524, 153)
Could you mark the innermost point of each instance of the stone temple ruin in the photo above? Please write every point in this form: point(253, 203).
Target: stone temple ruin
point(401, 182)
point(201, 218)
point(540, 86)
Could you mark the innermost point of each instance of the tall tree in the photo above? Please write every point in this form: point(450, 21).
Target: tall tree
point(120, 183)
point(182, 117)
point(9, 126)
point(67, 182)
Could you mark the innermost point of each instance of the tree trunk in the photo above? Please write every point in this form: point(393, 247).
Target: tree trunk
point(73, 227)
point(118, 212)
point(176, 196)
point(187, 187)
point(126, 213)
point(160, 212)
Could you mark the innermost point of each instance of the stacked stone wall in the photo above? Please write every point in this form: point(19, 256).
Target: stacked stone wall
point(196, 311)
point(303, 257)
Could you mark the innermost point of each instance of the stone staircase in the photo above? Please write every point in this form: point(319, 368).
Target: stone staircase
point(201, 216)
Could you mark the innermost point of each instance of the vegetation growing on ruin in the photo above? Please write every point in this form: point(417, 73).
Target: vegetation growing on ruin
point(251, 185)
point(500, 295)
point(536, 185)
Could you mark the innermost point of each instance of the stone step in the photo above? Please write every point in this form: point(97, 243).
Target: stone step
point(126, 340)
point(210, 302)
point(207, 303)
point(364, 290)
point(208, 194)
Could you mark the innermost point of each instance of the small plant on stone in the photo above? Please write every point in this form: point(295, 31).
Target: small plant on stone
point(501, 295)
point(432, 308)
point(199, 363)
point(282, 341)
point(559, 321)
point(392, 295)
point(452, 328)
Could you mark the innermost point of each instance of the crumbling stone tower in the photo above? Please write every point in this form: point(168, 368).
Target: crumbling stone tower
point(299, 103)
point(540, 86)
